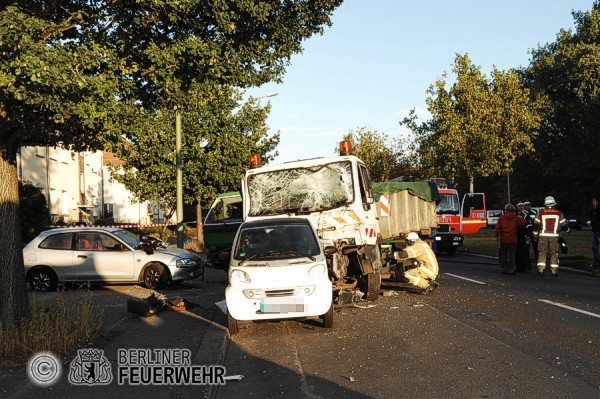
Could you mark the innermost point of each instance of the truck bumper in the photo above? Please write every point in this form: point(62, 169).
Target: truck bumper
point(446, 241)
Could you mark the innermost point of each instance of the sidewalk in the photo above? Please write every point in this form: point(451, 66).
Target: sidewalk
point(201, 329)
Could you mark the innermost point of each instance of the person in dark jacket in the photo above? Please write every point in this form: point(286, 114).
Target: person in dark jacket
point(506, 233)
point(596, 233)
point(531, 214)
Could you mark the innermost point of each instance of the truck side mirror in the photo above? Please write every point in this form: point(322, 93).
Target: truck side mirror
point(330, 250)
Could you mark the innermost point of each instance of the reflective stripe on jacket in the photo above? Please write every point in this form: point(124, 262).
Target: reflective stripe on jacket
point(549, 221)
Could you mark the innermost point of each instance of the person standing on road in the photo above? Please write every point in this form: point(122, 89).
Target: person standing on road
point(547, 226)
point(596, 233)
point(531, 214)
point(506, 233)
point(426, 271)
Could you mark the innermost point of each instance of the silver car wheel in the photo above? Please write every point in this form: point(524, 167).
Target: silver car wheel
point(43, 280)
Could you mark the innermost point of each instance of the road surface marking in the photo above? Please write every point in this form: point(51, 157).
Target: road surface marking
point(464, 278)
point(570, 308)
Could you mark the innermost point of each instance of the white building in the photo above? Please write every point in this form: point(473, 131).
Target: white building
point(79, 187)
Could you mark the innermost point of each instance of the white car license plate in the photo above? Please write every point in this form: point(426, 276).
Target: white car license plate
point(282, 305)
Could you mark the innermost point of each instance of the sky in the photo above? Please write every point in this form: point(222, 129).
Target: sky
point(375, 63)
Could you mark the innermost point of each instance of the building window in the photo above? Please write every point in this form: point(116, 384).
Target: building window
point(65, 203)
point(53, 202)
point(108, 211)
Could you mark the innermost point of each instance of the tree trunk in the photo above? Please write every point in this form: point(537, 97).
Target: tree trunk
point(168, 217)
point(199, 229)
point(471, 184)
point(14, 302)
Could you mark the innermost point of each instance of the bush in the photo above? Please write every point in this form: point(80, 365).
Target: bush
point(33, 209)
point(105, 222)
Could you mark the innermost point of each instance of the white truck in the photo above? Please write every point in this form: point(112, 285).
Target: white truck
point(336, 195)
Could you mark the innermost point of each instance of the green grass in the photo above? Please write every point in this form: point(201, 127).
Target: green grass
point(579, 243)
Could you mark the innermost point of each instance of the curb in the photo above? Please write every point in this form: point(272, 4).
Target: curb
point(570, 269)
point(213, 348)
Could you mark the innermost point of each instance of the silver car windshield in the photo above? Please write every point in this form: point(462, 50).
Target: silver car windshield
point(301, 190)
point(130, 239)
point(276, 242)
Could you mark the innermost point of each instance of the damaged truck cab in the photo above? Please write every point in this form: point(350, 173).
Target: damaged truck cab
point(335, 195)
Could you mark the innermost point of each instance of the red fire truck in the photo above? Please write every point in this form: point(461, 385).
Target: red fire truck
point(456, 218)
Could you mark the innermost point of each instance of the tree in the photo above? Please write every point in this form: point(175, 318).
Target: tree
point(385, 157)
point(566, 75)
point(478, 127)
point(217, 138)
point(73, 73)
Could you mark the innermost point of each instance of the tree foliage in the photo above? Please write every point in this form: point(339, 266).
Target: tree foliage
point(566, 75)
point(385, 157)
point(479, 125)
point(75, 73)
point(217, 137)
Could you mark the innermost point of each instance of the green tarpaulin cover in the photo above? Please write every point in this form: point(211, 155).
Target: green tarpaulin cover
point(424, 189)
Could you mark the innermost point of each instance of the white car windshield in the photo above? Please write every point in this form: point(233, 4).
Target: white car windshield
point(131, 239)
point(301, 190)
point(280, 241)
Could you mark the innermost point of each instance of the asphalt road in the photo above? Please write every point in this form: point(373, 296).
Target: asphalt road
point(480, 334)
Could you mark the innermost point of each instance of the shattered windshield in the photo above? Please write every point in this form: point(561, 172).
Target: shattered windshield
point(310, 189)
point(281, 241)
point(448, 205)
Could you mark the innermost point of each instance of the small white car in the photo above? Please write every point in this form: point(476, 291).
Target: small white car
point(278, 270)
point(104, 255)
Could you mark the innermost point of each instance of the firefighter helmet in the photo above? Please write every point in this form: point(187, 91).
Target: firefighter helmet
point(411, 238)
point(549, 201)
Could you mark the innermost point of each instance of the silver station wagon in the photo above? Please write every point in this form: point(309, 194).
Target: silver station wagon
point(105, 255)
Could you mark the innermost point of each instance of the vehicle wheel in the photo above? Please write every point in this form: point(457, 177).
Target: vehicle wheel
point(372, 285)
point(451, 251)
point(43, 279)
point(328, 317)
point(155, 276)
point(232, 325)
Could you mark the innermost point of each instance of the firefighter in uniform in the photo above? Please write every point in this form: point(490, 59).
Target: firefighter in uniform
point(424, 275)
point(547, 226)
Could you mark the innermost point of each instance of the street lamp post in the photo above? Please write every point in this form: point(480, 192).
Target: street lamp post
point(179, 180)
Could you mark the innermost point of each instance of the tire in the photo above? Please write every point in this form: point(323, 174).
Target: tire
point(451, 251)
point(372, 285)
point(232, 325)
point(328, 317)
point(43, 279)
point(155, 277)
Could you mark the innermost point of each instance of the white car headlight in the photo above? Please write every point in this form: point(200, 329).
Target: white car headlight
point(185, 262)
point(316, 271)
point(239, 276)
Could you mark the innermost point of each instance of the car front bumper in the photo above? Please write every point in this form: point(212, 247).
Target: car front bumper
point(279, 302)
